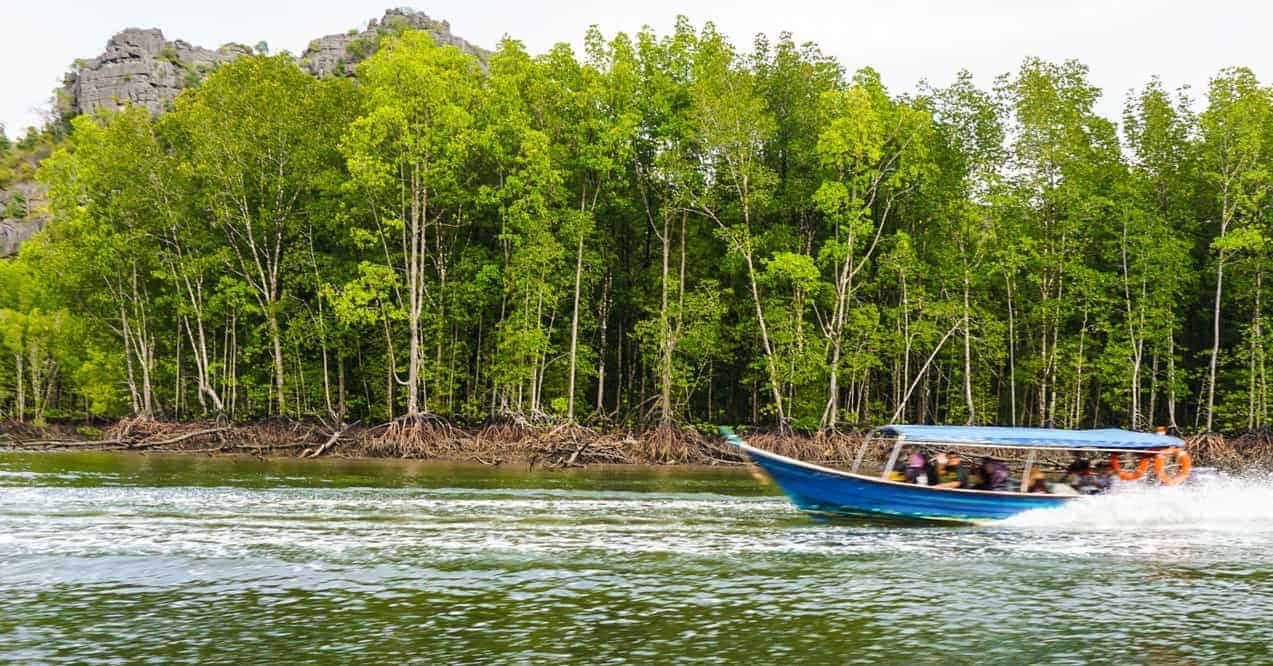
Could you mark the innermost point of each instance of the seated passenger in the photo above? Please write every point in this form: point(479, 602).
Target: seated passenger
point(949, 472)
point(1104, 477)
point(1038, 483)
point(917, 469)
point(1088, 483)
point(1077, 470)
point(994, 475)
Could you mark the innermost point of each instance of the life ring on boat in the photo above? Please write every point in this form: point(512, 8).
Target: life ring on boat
point(1160, 466)
point(1141, 468)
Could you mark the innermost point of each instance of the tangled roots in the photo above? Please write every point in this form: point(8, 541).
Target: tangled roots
point(417, 436)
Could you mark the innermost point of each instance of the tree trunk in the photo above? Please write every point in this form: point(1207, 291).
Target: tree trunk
point(665, 329)
point(923, 373)
point(1171, 381)
point(972, 408)
point(276, 339)
point(21, 389)
point(601, 354)
point(764, 339)
point(1012, 355)
point(574, 331)
point(1215, 344)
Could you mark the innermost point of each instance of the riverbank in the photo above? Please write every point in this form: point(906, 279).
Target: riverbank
point(435, 439)
point(503, 443)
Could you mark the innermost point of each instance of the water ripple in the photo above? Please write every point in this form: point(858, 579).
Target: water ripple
point(111, 566)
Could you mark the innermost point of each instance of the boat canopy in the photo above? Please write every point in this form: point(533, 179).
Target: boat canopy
point(1034, 438)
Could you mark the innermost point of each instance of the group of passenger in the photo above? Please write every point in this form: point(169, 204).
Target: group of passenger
point(1088, 480)
point(948, 470)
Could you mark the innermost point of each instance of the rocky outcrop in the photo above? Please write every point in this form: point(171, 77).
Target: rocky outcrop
point(337, 54)
point(22, 214)
point(141, 68)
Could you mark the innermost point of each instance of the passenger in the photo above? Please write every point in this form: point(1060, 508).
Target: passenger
point(950, 472)
point(1104, 477)
point(963, 473)
point(1077, 470)
point(994, 475)
point(1088, 483)
point(976, 477)
point(1038, 483)
point(917, 469)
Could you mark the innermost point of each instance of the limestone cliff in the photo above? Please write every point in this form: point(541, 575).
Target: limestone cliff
point(140, 67)
point(337, 54)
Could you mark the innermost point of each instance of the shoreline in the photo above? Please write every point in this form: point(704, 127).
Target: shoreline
point(499, 443)
point(372, 461)
point(492, 444)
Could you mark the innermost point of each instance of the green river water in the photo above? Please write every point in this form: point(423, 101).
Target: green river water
point(112, 558)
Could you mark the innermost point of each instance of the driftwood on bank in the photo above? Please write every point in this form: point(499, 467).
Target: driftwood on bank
point(335, 437)
point(126, 443)
point(179, 438)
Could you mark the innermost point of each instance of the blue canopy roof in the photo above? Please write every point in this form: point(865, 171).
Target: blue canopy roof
point(1108, 438)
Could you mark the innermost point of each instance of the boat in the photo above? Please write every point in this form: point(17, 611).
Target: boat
point(828, 493)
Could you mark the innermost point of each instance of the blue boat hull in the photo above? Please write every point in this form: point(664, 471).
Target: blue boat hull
point(828, 493)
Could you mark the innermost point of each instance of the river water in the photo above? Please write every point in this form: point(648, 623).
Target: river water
point(120, 558)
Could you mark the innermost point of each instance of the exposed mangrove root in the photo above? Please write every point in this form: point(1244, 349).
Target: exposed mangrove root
point(568, 445)
point(669, 445)
point(1253, 449)
point(153, 435)
point(416, 436)
point(801, 447)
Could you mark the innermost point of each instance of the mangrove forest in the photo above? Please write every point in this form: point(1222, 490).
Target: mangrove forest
point(656, 230)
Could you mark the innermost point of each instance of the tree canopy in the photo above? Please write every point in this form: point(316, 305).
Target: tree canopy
point(663, 229)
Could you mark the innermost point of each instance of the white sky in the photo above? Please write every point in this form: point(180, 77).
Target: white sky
point(1122, 42)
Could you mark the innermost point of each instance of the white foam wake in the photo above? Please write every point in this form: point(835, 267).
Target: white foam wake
point(1214, 503)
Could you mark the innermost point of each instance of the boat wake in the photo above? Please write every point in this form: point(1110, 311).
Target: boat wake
point(1219, 502)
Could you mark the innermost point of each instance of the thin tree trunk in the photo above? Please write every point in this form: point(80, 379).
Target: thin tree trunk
point(1012, 354)
point(764, 339)
point(21, 389)
point(574, 331)
point(601, 355)
point(1215, 344)
point(665, 328)
point(1171, 381)
point(1152, 411)
point(923, 372)
point(276, 338)
point(972, 409)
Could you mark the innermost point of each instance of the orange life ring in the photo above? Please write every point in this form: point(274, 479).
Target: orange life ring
point(1160, 466)
point(1141, 468)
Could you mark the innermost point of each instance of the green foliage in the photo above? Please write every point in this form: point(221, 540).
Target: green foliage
point(17, 206)
point(29, 140)
point(751, 235)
